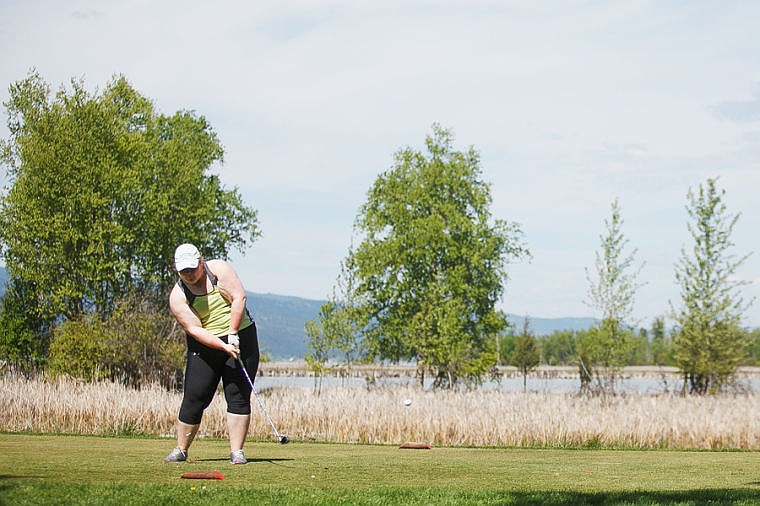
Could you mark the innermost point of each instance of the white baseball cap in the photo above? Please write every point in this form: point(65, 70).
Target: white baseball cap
point(186, 256)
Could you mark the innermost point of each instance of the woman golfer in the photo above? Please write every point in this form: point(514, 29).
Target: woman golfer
point(209, 302)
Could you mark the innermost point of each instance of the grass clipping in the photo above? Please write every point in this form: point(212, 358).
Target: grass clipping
point(381, 416)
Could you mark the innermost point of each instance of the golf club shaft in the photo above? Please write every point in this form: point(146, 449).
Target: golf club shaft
point(253, 389)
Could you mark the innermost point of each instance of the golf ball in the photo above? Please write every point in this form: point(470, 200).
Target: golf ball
point(408, 402)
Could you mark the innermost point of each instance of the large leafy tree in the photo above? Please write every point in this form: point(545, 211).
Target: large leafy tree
point(102, 189)
point(431, 264)
point(709, 343)
point(605, 349)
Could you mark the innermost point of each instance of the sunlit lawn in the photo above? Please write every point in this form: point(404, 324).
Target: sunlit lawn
point(45, 469)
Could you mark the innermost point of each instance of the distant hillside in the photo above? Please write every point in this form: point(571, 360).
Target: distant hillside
point(280, 320)
point(545, 326)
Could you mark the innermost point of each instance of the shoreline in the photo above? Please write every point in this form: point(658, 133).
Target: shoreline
point(299, 368)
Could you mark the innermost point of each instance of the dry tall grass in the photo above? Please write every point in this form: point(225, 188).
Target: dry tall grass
point(359, 415)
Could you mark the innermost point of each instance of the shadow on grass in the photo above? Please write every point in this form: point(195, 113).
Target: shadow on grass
point(689, 497)
point(251, 460)
point(149, 494)
point(442, 496)
point(271, 461)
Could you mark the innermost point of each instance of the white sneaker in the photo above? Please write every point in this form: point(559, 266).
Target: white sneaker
point(177, 455)
point(237, 457)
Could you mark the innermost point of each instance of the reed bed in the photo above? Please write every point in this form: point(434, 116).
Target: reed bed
point(380, 416)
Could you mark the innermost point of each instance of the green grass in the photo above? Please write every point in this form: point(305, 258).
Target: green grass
point(37, 469)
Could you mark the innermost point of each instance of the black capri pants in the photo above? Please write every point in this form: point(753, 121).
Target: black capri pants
point(206, 366)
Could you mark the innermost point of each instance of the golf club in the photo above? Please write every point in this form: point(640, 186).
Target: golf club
point(283, 439)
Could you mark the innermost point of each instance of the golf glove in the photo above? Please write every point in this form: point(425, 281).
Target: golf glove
point(234, 340)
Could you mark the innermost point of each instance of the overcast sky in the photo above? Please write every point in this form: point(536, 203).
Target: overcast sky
point(571, 105)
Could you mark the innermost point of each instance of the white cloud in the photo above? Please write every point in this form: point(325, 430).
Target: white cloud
point(740, 111)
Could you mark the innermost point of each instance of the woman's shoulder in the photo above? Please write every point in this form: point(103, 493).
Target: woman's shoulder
point(224, 273)
point(218, 263)
point(219, 268)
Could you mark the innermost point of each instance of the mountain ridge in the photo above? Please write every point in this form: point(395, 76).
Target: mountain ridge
point(280, 320)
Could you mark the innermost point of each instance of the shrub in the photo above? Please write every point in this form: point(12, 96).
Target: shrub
point(139, 344)
point(144, 344)
point(77, 350)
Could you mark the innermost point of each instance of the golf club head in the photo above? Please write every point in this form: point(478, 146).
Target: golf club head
point(284, 440)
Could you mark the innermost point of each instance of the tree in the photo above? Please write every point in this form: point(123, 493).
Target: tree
point(345, 321)
point(640, 350)
point(20, 330)
point(709, 344)
point(525, 355)
point(336, 328)
point(559, 347)
point(754, 351)
point(612, 295)
point(319, 342)
point(660, 345)
point(506, 346)
point(102, 189)
point(432, 263)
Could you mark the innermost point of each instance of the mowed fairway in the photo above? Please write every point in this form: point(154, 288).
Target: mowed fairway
point(43, 469)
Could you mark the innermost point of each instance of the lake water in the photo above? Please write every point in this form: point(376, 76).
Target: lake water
point(633, 384)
